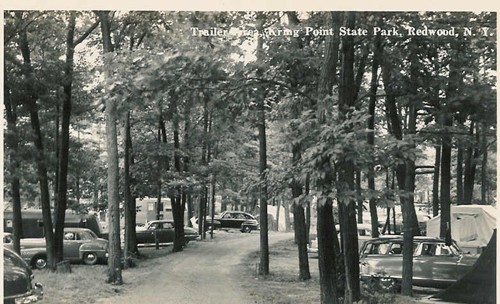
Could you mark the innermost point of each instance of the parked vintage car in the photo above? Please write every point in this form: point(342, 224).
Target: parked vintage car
point(243, 221)
point(80, 245)
point(434, 263)
point(18, 286)
point(163, 231)
point(364, 234)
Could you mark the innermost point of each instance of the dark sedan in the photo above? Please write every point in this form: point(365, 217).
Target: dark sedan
point(163, 232)
point(434, 263)
point(17, 280)
point(243, 221)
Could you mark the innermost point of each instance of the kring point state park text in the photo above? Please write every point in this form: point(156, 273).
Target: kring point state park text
point(342, 31)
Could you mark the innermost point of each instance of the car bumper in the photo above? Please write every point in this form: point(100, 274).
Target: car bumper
point(32, 296)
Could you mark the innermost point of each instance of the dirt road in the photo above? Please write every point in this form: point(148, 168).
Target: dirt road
point(205, 272)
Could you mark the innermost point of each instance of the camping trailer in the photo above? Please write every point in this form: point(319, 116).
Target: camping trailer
point(33, 227)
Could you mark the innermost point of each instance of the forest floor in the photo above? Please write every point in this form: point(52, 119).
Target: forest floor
point(219, 270)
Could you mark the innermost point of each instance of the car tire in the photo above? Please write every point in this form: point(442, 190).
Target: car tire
point(39, 262)
point(90, 258)
point(246, 229)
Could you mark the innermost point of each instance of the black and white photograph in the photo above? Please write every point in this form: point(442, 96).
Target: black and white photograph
point(249, 156)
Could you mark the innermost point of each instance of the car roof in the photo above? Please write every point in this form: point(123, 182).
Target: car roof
point(385, 237)
point(236, 211)
point(75, 229)
point(160, 221)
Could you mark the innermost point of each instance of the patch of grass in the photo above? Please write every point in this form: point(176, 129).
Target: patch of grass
point(86, 284)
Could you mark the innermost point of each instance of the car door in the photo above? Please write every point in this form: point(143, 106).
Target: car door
point(71, 245)
point(167, 233)
point(149, 235)
point(227, 220)
point(435, 264)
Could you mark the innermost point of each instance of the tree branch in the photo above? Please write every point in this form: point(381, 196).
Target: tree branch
point(87, 33)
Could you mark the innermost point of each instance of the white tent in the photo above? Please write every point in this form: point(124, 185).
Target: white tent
point(471, 226)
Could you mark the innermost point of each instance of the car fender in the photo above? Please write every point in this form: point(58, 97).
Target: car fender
point(98, 246)
point(252, 223)
point(28, 253)
point(215, 222)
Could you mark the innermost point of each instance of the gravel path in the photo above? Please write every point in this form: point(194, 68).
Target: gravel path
point(205, 272)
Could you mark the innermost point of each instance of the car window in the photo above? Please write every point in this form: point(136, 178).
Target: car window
point(69, 236)
point(168, 225)
point(376, 248)
point(85, 236)
point(396, 248)
point(155, 226)
point(428, 249)
point(227, 216)
point(444, 250)
point(363, 232)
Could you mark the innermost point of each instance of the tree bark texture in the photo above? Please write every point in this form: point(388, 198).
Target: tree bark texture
point(30, 100)
point(347, 205)
point(328, 248)
point(114, 259)
point(261, 127)
point(177, 210)
point(11, 140)
point(377, 53)
point(62, 184)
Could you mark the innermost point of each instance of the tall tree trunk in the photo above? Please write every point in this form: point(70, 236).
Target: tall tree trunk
point(62, 184)
point(30, 101)
point(435, 181)
point(299, 218)
point(129, 200)
point(11, 140)
point(204, 162)
point(114, 259)
point(471, 154)
point(186, 159)
point(445, 197)
point(177, 211)
point(377, 53)
point(299, 224)
point(163, 162)
point(359, 198)
point(286, 207)
point(460, 180)
point(328, 248)
point(397, 132)
point(451, 95)
point(327, 240)
point(347, 207)
point(261, 126)
point(484, 165)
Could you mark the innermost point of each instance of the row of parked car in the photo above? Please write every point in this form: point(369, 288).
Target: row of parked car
point(83, 245)
point(435, 264)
